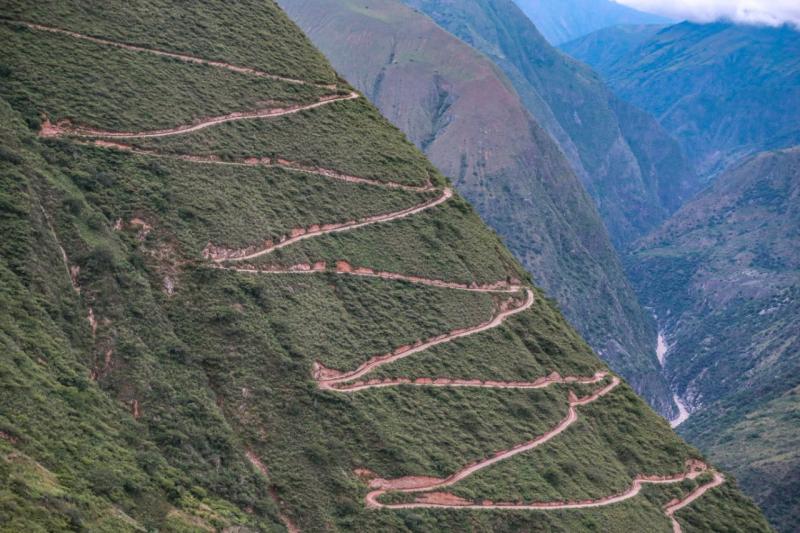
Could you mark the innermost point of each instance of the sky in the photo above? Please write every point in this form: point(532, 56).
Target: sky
point(769, 12)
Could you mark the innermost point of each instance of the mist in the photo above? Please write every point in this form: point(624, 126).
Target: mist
point(761, 12)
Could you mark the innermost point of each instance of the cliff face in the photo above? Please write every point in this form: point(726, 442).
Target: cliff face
point(466, 116)
point(235, 297)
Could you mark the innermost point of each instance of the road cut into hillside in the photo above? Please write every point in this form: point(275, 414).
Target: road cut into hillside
point(428, 489)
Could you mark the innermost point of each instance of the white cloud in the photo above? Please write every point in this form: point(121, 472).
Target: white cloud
point(768, 12)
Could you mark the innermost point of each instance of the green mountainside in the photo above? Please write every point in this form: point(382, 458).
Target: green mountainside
point(455, 105)
point(200, 224)
point(723, 275)
point(564, 20)
point(633, 169)
point(724, 91)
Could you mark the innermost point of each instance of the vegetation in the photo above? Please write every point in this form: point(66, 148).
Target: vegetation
point(101, 86)
point(249, 33)
point(742, 79)
point(532, 187)
point(144, 390)
point(723, 274)
point(349, 136)
point(231, 205)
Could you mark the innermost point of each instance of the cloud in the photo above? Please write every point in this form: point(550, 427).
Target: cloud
point(763, 12)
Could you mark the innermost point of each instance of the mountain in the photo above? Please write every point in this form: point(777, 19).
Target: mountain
point(724, 91)
point(564, 20)
point(633, 169)
point(455, 105)
point(198, 231)
point(723, 276)
point(603, 48)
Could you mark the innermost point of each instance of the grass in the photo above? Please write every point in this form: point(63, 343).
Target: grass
point(105, 87)
point(233, 206)
point(594, 457)
point(349, 136)
point(446, 242)
point(528, 346)
point(223, 365)
point(249, 33)
point(353, 318)
point(103, 458)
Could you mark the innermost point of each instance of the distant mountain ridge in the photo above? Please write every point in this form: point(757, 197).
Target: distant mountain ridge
point(724, 91)
point(603, 48)
point(561, 21)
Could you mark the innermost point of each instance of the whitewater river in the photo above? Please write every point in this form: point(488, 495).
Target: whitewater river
point(661, 352)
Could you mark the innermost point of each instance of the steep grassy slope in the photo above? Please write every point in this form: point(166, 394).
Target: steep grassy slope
point(162, 373)
point(455, 105)
point(723, 276)
point(564, 20)
point(724, 91)
point(631, 167)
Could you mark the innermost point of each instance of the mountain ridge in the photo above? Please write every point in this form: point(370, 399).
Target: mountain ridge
point(562, 21)
point(725, 91)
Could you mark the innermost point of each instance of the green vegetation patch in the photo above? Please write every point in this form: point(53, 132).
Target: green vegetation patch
point(447, 242)
point(228, 205)
point(349, 136)
point(723, 508)
point(116, 89)
point(436, 432)
point(526, 347)
point(340, 321)
point(592, 458)
point(249, 33)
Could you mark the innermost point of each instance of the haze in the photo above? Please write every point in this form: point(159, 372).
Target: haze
point(763, 12)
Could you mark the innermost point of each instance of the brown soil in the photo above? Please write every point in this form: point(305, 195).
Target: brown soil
point(344, 268)
point(477, 383)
